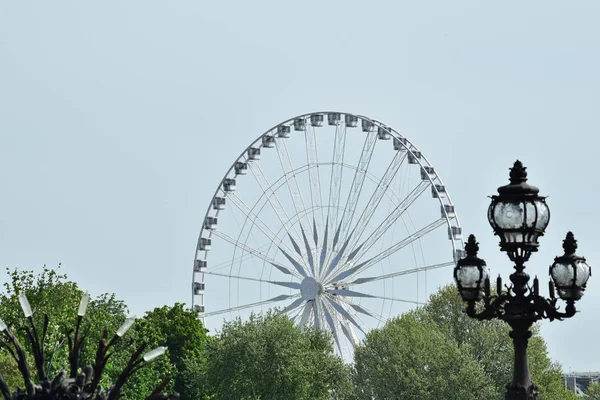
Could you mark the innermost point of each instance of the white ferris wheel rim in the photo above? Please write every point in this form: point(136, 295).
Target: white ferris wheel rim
point(309, 288)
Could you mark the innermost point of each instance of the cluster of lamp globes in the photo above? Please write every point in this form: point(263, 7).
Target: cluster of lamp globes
point(519, 216)
point(83, 304)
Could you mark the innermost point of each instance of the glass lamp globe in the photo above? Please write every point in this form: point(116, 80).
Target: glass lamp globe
point(518, 215)
point(471, 273)
point(570, 272)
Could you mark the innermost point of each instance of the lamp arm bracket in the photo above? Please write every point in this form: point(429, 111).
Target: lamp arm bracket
point(492, 307)
point(547, 309)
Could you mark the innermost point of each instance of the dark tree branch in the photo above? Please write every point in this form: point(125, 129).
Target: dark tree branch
point(75, 348)
point(21, 362)
point(4, 388)
point(157, 393)
point(129, 370)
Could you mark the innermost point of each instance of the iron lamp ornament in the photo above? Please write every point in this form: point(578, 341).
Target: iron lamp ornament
point(471, 273)
point(570, 272)
point(519, 217)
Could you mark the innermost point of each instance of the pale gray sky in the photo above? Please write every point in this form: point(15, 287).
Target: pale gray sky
point(118, 120)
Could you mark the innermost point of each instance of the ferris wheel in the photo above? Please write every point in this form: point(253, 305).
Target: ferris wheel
point(334, 219)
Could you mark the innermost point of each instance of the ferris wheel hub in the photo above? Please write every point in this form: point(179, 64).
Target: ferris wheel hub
point(310, 289)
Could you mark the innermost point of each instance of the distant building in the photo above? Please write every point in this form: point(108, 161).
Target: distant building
point(578, 382)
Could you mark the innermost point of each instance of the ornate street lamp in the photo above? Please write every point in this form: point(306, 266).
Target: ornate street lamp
point(471, 273)
point(80, 385)
point(519, 216)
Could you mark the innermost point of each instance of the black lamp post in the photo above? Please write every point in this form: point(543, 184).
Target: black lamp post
point(76, 384)
point(519, 216)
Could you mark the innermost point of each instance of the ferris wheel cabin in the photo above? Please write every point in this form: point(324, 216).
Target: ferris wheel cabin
point(351, 121)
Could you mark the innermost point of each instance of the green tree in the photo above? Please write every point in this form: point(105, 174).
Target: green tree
point(51, 293)
point(411, 359)
point(269, 357)
point(593, 391)
point(191, 376)
point(182, 332)
point(488, 342)
point(9, 370)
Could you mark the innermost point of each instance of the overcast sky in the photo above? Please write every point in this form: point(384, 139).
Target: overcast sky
point(119, 119)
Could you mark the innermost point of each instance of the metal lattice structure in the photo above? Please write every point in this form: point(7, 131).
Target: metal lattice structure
point(334, 218)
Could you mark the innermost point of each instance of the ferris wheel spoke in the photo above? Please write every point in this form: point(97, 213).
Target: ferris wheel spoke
point(401, 244)
point(377, 196)
point(335, 261)
point(251, 305)
point(264, 257)
point(335, 180)
point(358, 308)
point(344, 274)
point(295, 304)
point(349, 306)
point(306, 313)
point(234, 260)
point(349, 332)
point(255, 220)
point(348, 293)
point(337, 267)
point(360, 281)
point(323, 256)
point(290, 177)
point(346, 303)
point(295, 263)
point(312, 160)
point(292, 184)
point(345, 313)
point(364, 310)
point(370, 208)
point(309, 252)
point(296, 315)
point(390, 219)
point(296, 246)
point(291, 285)
point(349, 326)
point(331, 324)
point(344, 293)
point(270, 195)
point(357, 184)
point(419, 303)
point(338, 321)
point(317, 314)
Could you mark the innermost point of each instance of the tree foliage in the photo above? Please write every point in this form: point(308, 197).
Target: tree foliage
point(269, 357)
point(439, 352)
point(51, 293)
point(412, 359)
point(593, 391)
point(180, 330)
point(488, 342)
point(435, 352)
